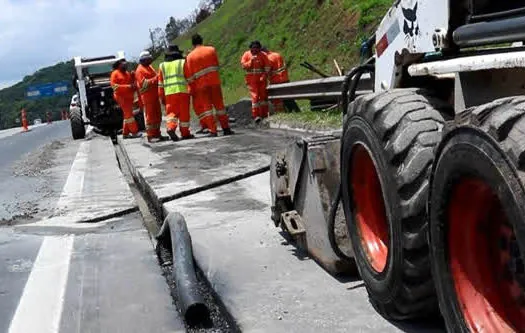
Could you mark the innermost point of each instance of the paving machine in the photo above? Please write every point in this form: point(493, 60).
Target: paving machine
point(429, 168)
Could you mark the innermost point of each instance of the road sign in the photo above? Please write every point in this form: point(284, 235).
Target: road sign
point(47, 90)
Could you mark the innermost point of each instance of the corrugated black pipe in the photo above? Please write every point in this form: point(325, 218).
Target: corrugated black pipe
point(174, 235)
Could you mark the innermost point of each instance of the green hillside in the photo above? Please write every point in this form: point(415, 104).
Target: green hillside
point(302, 30)
point(12, 99)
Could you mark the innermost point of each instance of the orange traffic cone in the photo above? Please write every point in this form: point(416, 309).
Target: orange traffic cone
point(24, 121)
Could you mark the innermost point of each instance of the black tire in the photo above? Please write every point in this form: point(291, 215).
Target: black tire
point(141, 123)
point(486, 152)
point(399, 130)
point(77, 124)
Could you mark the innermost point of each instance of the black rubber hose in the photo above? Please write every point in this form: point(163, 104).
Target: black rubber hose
point(174, 235)
point(331, 228)
point(350, 83)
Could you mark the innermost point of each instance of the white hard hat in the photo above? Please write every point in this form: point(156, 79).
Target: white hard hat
point(144, 55)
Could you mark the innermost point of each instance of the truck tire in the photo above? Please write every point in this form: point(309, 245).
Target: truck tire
point(77, 124)
point(387, 151)
point(477, 219)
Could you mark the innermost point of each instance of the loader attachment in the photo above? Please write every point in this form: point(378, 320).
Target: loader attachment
point(304, 180)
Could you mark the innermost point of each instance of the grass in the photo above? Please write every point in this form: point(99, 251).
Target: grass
point(317, 31)
point(319, 119)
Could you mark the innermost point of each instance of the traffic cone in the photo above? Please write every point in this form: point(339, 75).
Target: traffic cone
point(24, 121)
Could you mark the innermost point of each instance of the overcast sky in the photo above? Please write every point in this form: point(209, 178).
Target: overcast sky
point(39, 33)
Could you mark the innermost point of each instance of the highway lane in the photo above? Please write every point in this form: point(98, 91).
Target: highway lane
point(14, 146)
point(26, 169)
point(28, 183)
point(57, 274)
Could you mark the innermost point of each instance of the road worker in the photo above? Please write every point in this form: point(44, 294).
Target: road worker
point(124, 89)
point(279, 74)
point(147, 82)
point(173, 92)
point(257, 66)
point(202, 73)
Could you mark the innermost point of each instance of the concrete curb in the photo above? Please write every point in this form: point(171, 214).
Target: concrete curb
point(143, 186)
point(285, 127)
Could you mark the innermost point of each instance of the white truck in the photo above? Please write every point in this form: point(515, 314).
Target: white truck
point(96, 106)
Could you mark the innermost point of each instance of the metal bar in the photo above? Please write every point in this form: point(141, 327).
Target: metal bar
point(330, 87)
point(495, 32)
point(469, 64)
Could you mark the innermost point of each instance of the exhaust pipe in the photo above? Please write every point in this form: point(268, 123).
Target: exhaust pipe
point(174, 235)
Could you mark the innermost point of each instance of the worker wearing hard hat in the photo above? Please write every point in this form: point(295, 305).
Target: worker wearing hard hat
point(202, 72)
point(124, 89)
point(173, 92)
point(257, 67)
point(147, 81)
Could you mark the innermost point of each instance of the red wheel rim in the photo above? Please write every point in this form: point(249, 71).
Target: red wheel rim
point(369, 208)
point(485, 262)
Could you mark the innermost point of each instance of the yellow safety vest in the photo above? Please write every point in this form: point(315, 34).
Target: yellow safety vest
point(173, 74)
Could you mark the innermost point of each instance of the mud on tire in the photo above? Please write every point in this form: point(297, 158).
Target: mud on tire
point(395, 133)
point(477, 215)
point(78, 130)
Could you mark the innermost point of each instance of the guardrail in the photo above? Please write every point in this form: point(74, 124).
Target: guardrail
point(318, 89)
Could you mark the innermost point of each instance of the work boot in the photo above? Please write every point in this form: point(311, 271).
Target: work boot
point(188, 137)
point(173, 136)
point(211, 135)
point(202, 131)
point(228, 131)
point(257, 120)
point(133, 136)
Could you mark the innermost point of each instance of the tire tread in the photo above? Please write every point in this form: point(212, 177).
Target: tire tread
point(409, 122)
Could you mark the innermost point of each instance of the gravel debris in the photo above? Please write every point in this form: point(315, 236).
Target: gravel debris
point(35, 164)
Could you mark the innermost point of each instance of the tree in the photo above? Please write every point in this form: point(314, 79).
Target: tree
point(158, 41)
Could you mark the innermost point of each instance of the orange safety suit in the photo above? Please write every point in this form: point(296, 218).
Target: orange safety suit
point(202, 72)
point(278, 74)
point(124, 94)
point(147, 79)
point(257, 68)
point(177, 103)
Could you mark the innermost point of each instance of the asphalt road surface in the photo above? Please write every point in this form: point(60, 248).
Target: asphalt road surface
point(59, 273)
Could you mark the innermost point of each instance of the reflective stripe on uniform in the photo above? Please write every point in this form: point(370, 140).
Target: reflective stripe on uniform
point(203, 72)
point(221, 112)
point(171, 118)
point(184, 124)
point(279, 71)
point(115, 87)
point(152, 126)
point(144, 87)
point(256, 71)
point(173, 77)
point(256, 105)
point(263, 103)
point(129, 120)
point(206, 114)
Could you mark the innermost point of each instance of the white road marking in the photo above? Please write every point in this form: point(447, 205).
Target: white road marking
point(75, 181)
point(40, 307)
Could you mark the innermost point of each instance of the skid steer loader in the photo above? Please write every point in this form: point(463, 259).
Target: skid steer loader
point(429, 168)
